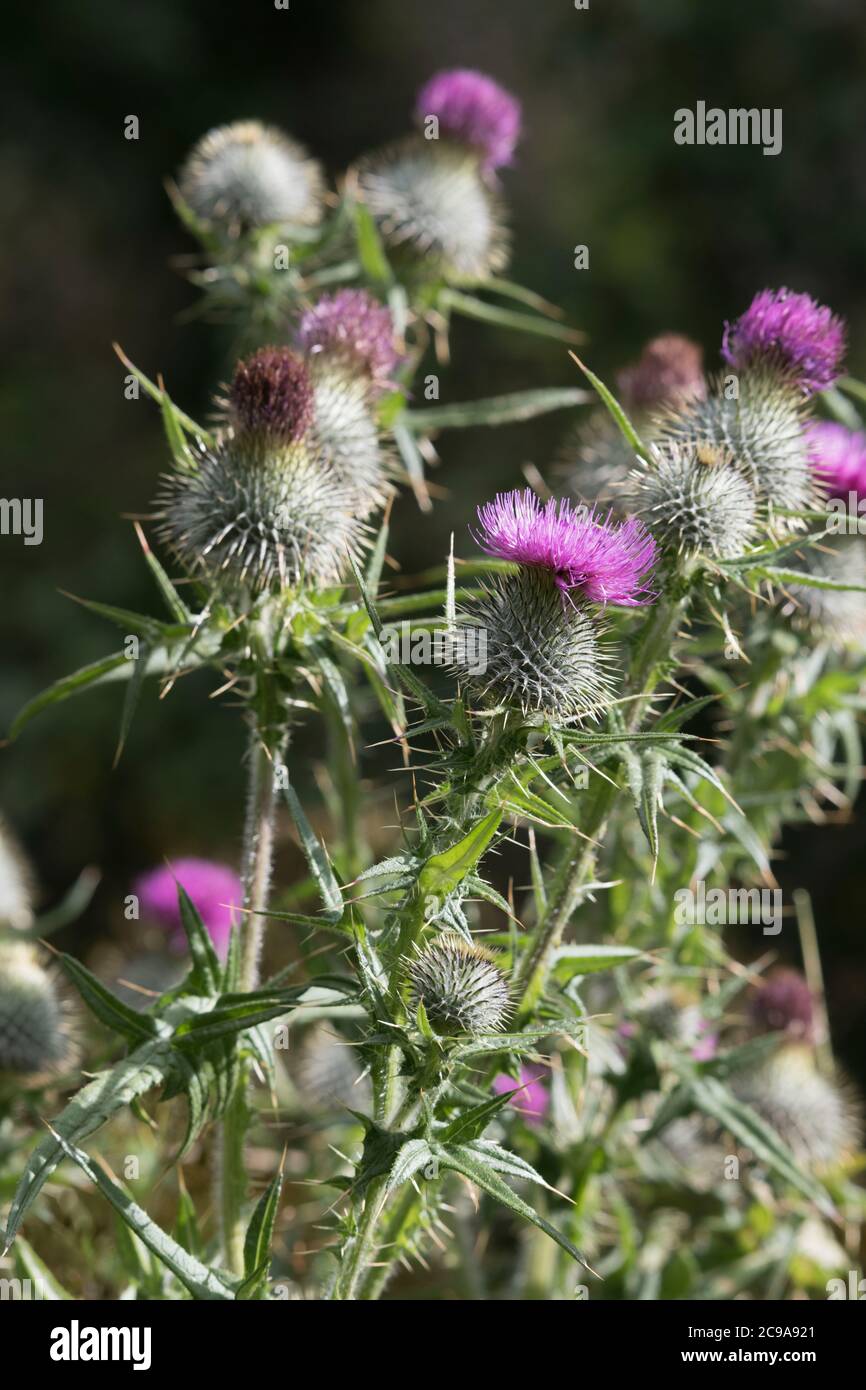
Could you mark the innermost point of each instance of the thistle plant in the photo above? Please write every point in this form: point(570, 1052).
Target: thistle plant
point(629, 705)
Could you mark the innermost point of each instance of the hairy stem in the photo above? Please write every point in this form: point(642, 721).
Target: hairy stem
point(257, 865)
point(651, 659)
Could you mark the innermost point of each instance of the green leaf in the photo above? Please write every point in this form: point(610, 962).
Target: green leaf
point(205, 977)
point(472, 1123)
point(233, 1015)
point(411, 1158)
point(808, 581)
point(201, 1282)
point(444, 872)
point(461, 1158)
point(569, 961)
point(257, 1245)
point(316, 856)
point(157, 394)
point(131, 699)
point(173, 602)
point(88, 1111)
point(28, 1265)
point(119, 1017)
point(413, 460)
point(472, 308)
point(495, 410)
point(623, 423)
point(370, 250)
point(66, 687)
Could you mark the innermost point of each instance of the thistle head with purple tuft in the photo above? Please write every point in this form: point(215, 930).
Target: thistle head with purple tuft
point(790, 332)
point(669, 371)
point(272, 394)
point(473, 110)
point(605, 562)
point(542, 649)
point(783, 1004)
point(214, 889)
point(353, 326)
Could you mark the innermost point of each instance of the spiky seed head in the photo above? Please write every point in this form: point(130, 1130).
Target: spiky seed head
point(354, 328)
point(763, 427)
point(248, 175)
point(669, 371)
point(473, 109)
point(817, 1118)
point(436, 214)
point(783, 1004)
point(16, 883)
point(789, 333)
point(35, 1037)
point(460, 985)
point(838, 457)
point(326, 1072)
point(835, 616)
point(272, 394)
point(347, 435)
point(695, 499)
point(525, 645)
point(257, 513)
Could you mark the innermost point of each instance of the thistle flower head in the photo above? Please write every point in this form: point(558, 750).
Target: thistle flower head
point(694, 498)
point(790, 332)
point(838, 456)
point(460, 985)
point(354, 326)
point(438, 217)
point(272, 393)
point(247, 175)
point(215, 890)
point(474, 110)
point(258, 513)
point(533, 1099)
point(605, 562)
point(783, 1004)
point(16, 884)
point(670, 370)
point(762, 426)
point(347, 436)
point(817, 1118)
point(522, 644)
point(35, 1038)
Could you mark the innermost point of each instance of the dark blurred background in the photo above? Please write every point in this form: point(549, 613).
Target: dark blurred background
point(679, 239)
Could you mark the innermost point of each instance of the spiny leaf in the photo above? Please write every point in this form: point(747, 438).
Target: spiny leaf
point(201, 1282)
point(119, 1017)
point(495, 410)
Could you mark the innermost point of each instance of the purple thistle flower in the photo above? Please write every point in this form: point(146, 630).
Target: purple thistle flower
point(783, 1004)
point(533, 1100)
point(473, 109)
point(271, 393)
point(791, 330)
point(609, 563)
point(838, 456)
point(669, 371)
point(351, 323)
point(215, 889)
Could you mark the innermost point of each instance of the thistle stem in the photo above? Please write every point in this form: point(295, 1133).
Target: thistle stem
point(651, 659)
point(257, 865)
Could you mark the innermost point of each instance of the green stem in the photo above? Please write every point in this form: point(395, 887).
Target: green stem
point(360, 1249)
point(257, 864)
point(651, 660)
